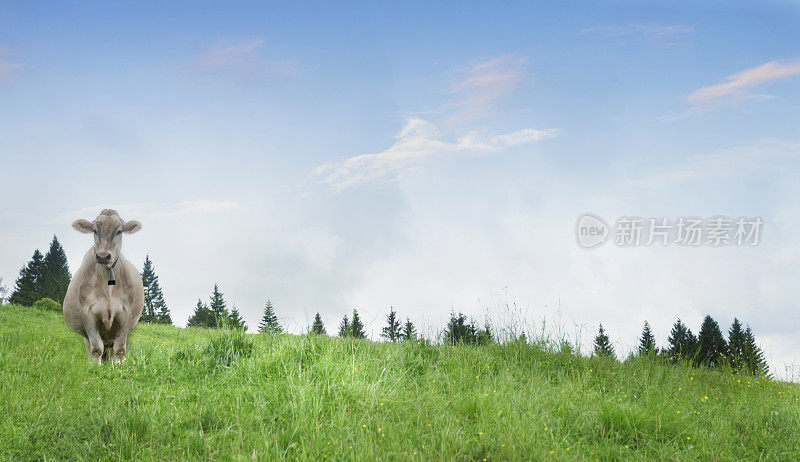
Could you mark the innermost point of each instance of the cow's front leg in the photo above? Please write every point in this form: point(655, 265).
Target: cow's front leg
point(94, 344)
point(120, 346)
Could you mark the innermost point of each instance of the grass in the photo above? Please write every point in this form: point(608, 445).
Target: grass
point(192, 394)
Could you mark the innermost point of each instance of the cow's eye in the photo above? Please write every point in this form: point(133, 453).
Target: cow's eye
point(95, 232)
point(119, 232)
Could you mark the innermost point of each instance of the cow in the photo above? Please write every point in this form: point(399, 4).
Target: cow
point(104, 300)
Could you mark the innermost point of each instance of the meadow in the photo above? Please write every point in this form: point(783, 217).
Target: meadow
point(197, 394)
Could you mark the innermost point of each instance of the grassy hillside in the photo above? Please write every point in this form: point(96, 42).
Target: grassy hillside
point(308, 397)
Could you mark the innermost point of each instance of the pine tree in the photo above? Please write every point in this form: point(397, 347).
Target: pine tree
point(269, 323)
point(155, 308)
point(602, 345)
point(235, 320)
point(484, 336)
point(458, 330)
point(202, 316)
point(392, 331)
point(27, 287)
point(711, 344)
point(647, 342)
point(218, 307)
point(344, 327)
point(55, 274)
point(409, 332)
point(681, 343)
point(357, 327)
point(752, 355)
point(736, 345)
point(318, 327)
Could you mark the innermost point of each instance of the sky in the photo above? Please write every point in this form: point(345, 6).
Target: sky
point(426, 157)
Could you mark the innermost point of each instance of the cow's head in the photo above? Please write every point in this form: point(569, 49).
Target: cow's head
point(107, 228)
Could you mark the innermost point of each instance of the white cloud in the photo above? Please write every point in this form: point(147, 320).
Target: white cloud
point(241, 59)
point(142, 210)
point(418, 142)
point(485, 85)
point(478, 92)
point(735, 86)
point(654, 33)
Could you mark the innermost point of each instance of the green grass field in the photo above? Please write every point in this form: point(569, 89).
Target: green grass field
point(191, 394)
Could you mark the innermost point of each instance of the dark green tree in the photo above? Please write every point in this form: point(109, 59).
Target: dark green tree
point(155, 308)
point(459, 330)
point(27, 287)
point(682, 344)
point(602, 344)
point(318, 327)
point(357, 327)
point(484, 336)
point(409, 332)
point(235, 320)
point(752, 356)
point(218, 307)
point(393, 330)
point(711, 344)
point(55, 275)
point(202, 316)
point(736, 345)
point(269, 322)
point(344, 327)
point(647, 342)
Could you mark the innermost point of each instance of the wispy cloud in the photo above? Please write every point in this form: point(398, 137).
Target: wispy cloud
point(479, 90)
point(7, 65)
point(483, 87)
point(737, 162)
point(663, 34)
point(418, 142)
point(242, 59)
point(157, 209)
point(735, 87)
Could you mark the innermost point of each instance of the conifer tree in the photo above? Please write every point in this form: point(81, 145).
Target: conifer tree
point(602, 345)
point(235, 320)
point(392, 331)
point(458, 330)
point(218, 308)
point(202, 316)
point(27, 287)
point(269, 322)
point(357, 327)
point(752, 355)
point(344, 327)
point(484, 336)
point(736, 345)
point(409, 332)
point(647, 342)
point(681, 343)
point(711, 344)
point(55, 275)
point(155, 308)
point(318, 327)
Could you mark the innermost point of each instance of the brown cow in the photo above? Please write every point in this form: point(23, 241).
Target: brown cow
point(105, 298)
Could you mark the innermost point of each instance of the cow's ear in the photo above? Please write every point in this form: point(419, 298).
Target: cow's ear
point(131, 227)
point(83, 226)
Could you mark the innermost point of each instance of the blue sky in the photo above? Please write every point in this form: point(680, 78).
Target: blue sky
point(426, 157)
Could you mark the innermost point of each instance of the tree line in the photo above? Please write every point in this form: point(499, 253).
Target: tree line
point(48, 276)
point(708, 348)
